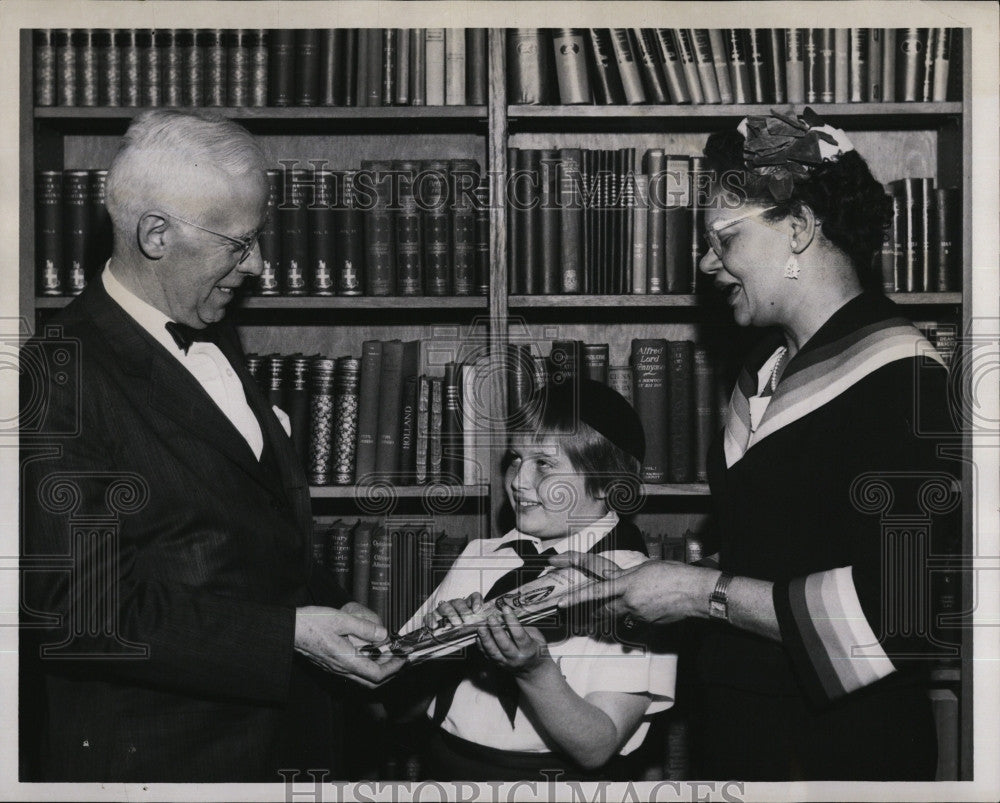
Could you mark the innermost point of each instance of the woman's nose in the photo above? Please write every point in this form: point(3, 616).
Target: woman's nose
point(710, 263)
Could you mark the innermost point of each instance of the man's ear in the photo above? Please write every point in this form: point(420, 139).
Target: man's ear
point(150, 234)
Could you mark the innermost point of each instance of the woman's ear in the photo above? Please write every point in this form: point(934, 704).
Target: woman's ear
point(151, 234)
point(804, 226)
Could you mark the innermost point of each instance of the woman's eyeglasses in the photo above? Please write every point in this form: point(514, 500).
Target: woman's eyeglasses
point(712, 231)
point(246, 245)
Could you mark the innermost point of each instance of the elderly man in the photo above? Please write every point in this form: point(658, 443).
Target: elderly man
point(178, 633)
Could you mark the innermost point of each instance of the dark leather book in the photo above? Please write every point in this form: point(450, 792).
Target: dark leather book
point(739, 65)
point(331, 67)
point(481, 284)
point(281, 66)
point(778, 60)
point(418, 70)
point(170, 41)
point(600, 170)
point(76, 196)
point(321, 236)
point(380, 257)
point(720, 53)
point(436, 427)
point(373, 67)
point(347, 380)
point(673, 71)
point(841, 65)
point(527, 261)
point(570, 199)
point(293, 217)
point(696, 206)
point(390, 55)
point(565, 363)
point(238, 75)
point(362, 63)
point(213, 45)
point(659, 184)
point(192, 68)
point(891, 256)
point(549, 223)
point(49, 263)
point(306, 80)
point(109, 69)
point(941, 57)
point(520, 374)
point(607, 86)
point(270, 280)
point(452, 463)
point(910, 43)
point(390, 405)
point(338, 552)
point(463, 178)
point(151, 67)
point(873, 84)
point(409, 252)
point(297, 393)
point(640, 220)
point(66, 68)
point(629, 201)
point(811, 62)
point(513, 223)
point(349, 237)
point(319, 545)
point(889, 52)
point(379, 582)
point(758, 64)
point(911, 270)
point(795, 65)
point(403, 575)
point(595, 361)
point(350, 64)
point(274, 367)
point(101, 233)
point(677, 233)
point(436, 228)
point(588, 176)
point(259, 59)
point(649, 367)
point(528, 76)
point(681, 413)
point(947, 240)
point(859, 64)
point(476, 66)
point(628, 66)
point(87, 66)
point(422, 430)
point(361, 553)
point(408, 432)
point(402, 96)
point(825, 45)
point(648, 56)
point(426, 546)
point(43, 45)
point(704, 412)
point(686, 54)
point(926, 244)
point(620, 380)
point(368, 409)
point(701, 47)
point(569, 46)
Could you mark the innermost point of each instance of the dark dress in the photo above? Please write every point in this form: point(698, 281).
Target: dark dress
point(843, 502)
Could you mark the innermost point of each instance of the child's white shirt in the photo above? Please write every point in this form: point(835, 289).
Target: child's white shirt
point(590, 663)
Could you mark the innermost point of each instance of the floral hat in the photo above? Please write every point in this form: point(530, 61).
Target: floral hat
point(784, 148)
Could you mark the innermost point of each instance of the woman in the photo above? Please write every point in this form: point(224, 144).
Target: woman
point(809, 667)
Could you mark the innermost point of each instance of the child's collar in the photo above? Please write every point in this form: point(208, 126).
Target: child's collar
point(582, 540)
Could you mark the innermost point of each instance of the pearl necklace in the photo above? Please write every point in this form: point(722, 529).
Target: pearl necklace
point(777, 366)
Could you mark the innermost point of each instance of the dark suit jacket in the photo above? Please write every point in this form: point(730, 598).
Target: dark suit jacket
point(162, 565)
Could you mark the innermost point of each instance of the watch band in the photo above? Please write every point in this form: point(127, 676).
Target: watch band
point(718, 602)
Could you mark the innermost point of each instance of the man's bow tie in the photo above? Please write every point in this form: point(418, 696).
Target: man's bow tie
point(185, 335)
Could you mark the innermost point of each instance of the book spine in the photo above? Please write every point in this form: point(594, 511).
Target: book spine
point(238, 68)
point(361, 63)
point(44, 66)
point(702, 48)
point(281, 78)
point(476, 66)
point(402, 96)
point(549, 219)
point(331, 53)
point(928, 65)
point(87, 67)
point(389, 410)
point(942, 62)
point(607, 87)
point(319, 545)
point(349, 62)
point(841, 65)
point(452, 471)
point(349, 240)
point(719, 52)
point(620, 380)
point(368, 409)
point(648, 56)
point(66, 68)
point(191, 68)
point(294, 220)
point(361, 552)
point(49, 264)
point(656, 222)
point(321, 232)
point(739, 65)
point(482, 213)
point(169, 55)
point(463, 178)
point(426, 543)
point(297, 398)
point(437, 228)
point(911, 43)
point(874, 91)
point(408, 431)
point(640, 225)
point(151, 67)
point(390, 57)
point(528, 214)
point(375, 182)
point(859, 64)
point(570, 197)
point(649, 366)
point(472, 466)
point(409, 262)
point(520, 370)
point(686, 55)
point(776, 51)
point(422, 430)
point(892, 249)
point(911, 236)
point(213, 46)
point(436, 427)
point(758, 65)
point(565, 363)
point(77, 228)
point(306, 78)
point(101, 231)
point(889, 51)
point(696, 207)
point(338, 552)
point(372, 68)
point(595, 362)
point(269, 281)
point(513, 222)
point(258, 46)
point(827, 79)
point(811, 51)
point(321, 421)
point(673, 71)
point(925, 245)
point(704, 401)
point(681, 415)
point(794, 66)
point(418, 72)
point(677, 235)
point(947, 240)
point(127, 58)
point(434, 67)
point(454, 67)
point(379, 586)
point(569, 47)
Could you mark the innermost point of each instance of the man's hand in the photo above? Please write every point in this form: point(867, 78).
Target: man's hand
point(657, 591)
point(323, 636)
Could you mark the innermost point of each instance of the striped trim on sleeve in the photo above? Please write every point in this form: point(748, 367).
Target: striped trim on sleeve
point(831, 643)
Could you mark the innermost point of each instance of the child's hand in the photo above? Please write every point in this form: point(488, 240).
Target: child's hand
point(512, 646)
point(457, 612)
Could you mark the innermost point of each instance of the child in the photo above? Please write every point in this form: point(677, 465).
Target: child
point(563, 702)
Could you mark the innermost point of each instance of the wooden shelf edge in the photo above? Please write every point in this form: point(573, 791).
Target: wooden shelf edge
point(372, 493)
point(279, 113)
point(707, 110)
point(292, 303)
point(926, 298)
point(675, 489)
point(687, 300)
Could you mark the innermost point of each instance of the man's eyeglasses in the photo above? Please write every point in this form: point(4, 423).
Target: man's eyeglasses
point(712, 231)
point(246, 245)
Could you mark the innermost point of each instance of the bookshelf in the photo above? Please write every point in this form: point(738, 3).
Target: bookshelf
point(908, 138)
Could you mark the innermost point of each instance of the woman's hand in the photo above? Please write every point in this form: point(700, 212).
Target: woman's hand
point(457, 612)
point(512, 646)
point(657, 591)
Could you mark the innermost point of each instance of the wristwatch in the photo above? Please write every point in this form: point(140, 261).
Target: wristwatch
point(718, 602)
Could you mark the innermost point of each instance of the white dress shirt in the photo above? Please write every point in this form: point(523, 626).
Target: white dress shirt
point(204, 361)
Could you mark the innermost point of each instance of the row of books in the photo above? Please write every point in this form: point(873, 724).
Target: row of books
point(922, 249)
point(943, 335)
point(729, 65)
point(260, 67)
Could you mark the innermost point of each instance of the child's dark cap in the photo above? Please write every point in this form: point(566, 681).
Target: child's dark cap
point(606, 411)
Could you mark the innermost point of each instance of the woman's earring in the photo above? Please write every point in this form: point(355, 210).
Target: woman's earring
point(792, 267)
